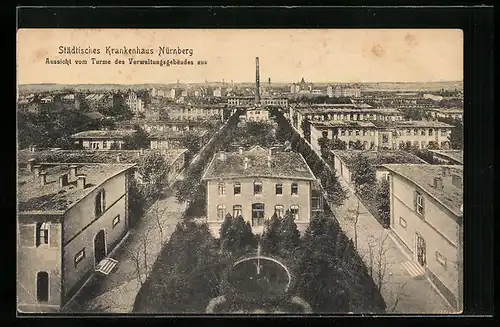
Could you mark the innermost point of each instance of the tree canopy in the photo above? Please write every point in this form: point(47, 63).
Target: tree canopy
point(154, 169)
point(138, 140)
point(236, 235)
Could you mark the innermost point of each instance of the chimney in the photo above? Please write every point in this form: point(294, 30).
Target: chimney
point(81, 181)
point(63, 180)
point(43, 177)
point(456, 180)
point(222, 156)
point(245, 162)
point(240, 150)
point(73, 169)
point(438, 183)
point(31, 163)
point(446, 171)
point(257, 81)
point(269, 161)
point(36, 170)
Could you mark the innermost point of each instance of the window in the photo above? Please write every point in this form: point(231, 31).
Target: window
point(42, 233)
point(422, 132)
point(408, 132)
point(441, 259)
point(294, 210)
point(423, 144)
point(415, 144)
point(42, 286)
point(258, 214)
point(222, 188)
point(257, 187)
point(415, 132)
point(443, 132)
point(430, 131)
point(342, 132)
point(237, 211)
point(116, 220)
point(237, 188)
point(402, 222)
point(79, 256)
point(385, 138)
point(324, 134)
point(279, 189)
point(419, 203)
point(221, 211)
point(279, 211)
point(356, 132)
point(349, 132)
point(100, 203)
point(364, 132)
point(294, 189)
point(104, 144)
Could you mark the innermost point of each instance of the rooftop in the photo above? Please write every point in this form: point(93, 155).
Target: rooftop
point(94, 97)
point(382, 111)
point(411, 124)
point(170, 134)
point(94, 156)
point(228, 165)
point(342, 123)
point(33, 196)
point(104, 134)
point(377, 158)
point(423, 175)
point(457, 155)
point(94, 115)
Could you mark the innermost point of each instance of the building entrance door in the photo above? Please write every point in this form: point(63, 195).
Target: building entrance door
point(420, 250)
point(99, 247)
point(257, 214)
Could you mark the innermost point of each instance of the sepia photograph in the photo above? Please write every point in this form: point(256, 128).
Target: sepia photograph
point(240, 171)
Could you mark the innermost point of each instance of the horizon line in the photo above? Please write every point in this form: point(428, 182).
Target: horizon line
point(249, 82)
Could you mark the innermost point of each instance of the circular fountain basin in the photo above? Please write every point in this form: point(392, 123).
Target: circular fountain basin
point(260, 277)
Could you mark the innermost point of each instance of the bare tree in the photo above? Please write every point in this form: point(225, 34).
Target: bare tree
point(377, 266)
point(353, 216)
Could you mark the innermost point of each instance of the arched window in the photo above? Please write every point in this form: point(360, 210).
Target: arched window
point(294, 210)
point(237, 210)
point(295, 189)
point(279, 211)
point(221, 211)
point(42, 286)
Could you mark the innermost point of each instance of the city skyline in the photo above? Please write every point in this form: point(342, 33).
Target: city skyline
point(320, 56)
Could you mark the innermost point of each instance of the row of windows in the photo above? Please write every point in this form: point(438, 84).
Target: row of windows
point(257, 188)
point(423, 144)
point(258, 210)
point(415, 132)
point(357, 132)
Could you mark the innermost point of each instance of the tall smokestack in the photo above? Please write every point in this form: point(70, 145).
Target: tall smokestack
point(257, 81)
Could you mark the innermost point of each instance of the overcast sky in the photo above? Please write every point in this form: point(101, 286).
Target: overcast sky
point(318, 55)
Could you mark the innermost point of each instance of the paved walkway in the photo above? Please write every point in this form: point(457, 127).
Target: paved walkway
point(417, 296)
point(136, 255)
